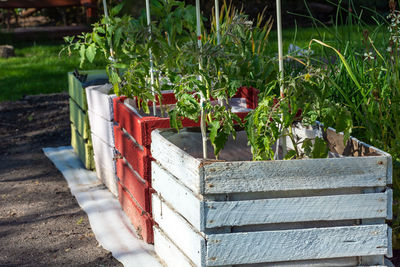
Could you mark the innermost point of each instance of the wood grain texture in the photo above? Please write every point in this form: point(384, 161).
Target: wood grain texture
point(107, 177)
point(138, 188)
point(170, 254)
point(100, 101)
point(317, 243)
point(105, 154)
point(178, 196)
point(83, 148)
point(302, 209)
point(185, 237)
point(177, 162)
point(139, 218)
point(102, 128)
point(79, 118)
point(335, 262)
point(256, 176)
point(133, 153)
point(75, 87)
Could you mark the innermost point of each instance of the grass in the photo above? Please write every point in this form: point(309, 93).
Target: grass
point(37, 69)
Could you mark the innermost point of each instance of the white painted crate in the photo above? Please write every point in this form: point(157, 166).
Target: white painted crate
point(104, 157)
point(107, 176)
point(315, 212)
point(102, 128)
point(100, 101)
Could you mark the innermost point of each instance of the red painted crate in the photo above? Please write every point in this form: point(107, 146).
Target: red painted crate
point(137, 187)
point(140, 128)
point(135, 155)
point(133, 140)
point(140, 219)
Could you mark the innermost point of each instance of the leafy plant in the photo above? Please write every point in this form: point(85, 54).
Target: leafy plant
point(307, 99)
point(212, 72)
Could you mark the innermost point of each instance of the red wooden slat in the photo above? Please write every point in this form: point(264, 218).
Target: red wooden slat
point(133, 153)
point(138, 217)
point(138, 188)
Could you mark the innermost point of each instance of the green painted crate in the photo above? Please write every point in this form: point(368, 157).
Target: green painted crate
point(83, 148)
point(76, 87)
point(80, 119)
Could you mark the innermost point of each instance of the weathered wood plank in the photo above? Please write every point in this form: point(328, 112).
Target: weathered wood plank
point(137, 187)
point(133, 153)
point(75, 87)
point(79, 118)
point(180, 232)
point(107, 176)
point(139, 218)
point(104, 153)
point(100, 101)
point(178, 196)
point(285, 175)
point(178, 162)
point(317, 243)
point(102, 128)
point(168, 252)
point(83, 148)
point(281, 210)
point(336, 262)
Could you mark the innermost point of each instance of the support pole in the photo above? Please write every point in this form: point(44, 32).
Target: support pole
point(202, 98)
point(105, 8)
point(151, 57)
point(217, 21)
point(280, 58)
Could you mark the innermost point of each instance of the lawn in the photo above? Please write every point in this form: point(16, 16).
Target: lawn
point(37, 69)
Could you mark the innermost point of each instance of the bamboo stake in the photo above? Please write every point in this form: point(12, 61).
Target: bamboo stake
point(202, 98)
point(151, 57)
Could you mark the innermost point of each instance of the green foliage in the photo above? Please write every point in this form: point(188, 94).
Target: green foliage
point(307, 99)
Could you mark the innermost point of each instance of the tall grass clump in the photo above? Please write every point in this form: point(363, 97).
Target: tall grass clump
point(362, 65)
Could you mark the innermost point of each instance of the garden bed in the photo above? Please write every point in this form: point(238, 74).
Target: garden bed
point(233, 211)
point(133, 142)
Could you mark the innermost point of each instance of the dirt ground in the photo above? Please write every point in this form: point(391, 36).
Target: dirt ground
point(40, 221)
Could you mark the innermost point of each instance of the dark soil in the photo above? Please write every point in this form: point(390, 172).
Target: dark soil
point(40, 221)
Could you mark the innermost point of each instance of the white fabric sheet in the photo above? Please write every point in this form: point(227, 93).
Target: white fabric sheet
point(110, 225)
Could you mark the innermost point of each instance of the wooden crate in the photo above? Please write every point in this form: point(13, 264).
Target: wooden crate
point(101, 117)
point(140, 127)
point(314, 212)
point(77, 89)
point(133, 140)
point(79, 118)
point(140, 219)
point(100, 102)
point(83, 148)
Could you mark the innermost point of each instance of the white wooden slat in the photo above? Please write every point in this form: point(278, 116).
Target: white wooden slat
point(102, 128)
point(179, 231)
point(168, 252)
point(297, 209)
point(389, 253)
point(100, 102)
point(389, 204)
point(104, 153)
point(303, 244)
point(107, 177)
point(178, 162)
point(284, 175)
point(336, 262)
point(178, 196)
